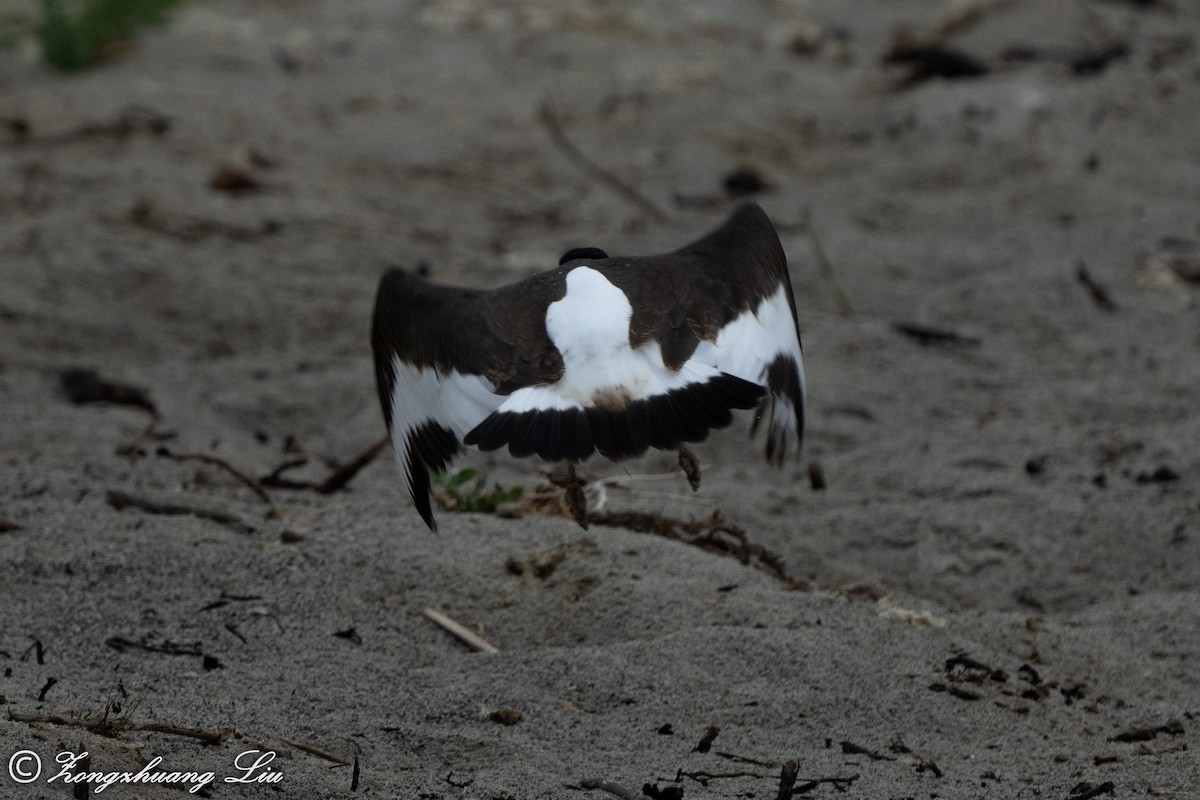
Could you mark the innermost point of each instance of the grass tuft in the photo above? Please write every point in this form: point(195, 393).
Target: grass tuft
point(75, 34)
point(453, 494)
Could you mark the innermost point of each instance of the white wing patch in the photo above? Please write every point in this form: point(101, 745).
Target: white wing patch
point(749, 345)
point(420, 395)
point(538, 398)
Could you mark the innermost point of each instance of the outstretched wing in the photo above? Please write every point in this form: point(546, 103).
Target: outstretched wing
point(641, 352)
point(725, 301)
point(611, 397)
point(441, 367)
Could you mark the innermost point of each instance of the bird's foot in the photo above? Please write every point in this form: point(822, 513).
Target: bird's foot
point(575, 497)
point(690, 467)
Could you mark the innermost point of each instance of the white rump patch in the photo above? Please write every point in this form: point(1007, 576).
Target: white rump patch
point(590, 328)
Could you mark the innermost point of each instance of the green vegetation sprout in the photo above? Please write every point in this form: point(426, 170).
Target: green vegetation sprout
point(75, 34)
point(453, 494)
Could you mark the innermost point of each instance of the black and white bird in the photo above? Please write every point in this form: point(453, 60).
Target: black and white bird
point(601, 354)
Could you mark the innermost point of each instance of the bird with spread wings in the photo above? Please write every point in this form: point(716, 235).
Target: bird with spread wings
point(608, 355)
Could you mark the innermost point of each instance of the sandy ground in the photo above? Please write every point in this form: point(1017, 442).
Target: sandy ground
point(1002, 577)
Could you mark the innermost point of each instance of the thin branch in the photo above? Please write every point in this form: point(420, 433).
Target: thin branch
point(850, 748)
point(208, 737)
point(313, 751)
point(825, 266)
point(734, 757)
point(617, 480)
point(549, 118)
point(275, 478)
point(1096, 290)
point(841, 784)
point(608, 786)
point(713, 535)
point(343, 474)
point(83, 385)
point(167, 647)
point(928, 335)
point(787, 780)
point(336, 480)
point(1092, 792)
point(469, 638)
point(701, 777)
point(204, 458)
point(121, 500)
point(108, 727)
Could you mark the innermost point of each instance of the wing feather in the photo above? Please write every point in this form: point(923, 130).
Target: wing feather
point(725, 301)
point(437, 372)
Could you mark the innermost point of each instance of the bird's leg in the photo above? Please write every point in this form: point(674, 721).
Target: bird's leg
point(690, 467)
point(576, 499)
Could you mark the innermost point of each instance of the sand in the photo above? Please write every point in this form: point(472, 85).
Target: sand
point(1000, 584)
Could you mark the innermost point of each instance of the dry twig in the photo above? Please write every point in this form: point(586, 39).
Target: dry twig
point(702, 777)
point(713, 535)
point(121, 500)
point(343, 474)
point(549, 118)
point(850, 748)
point(313, 751)
point(825, 266)
point(706, 740)
point(204, 458)
point(83, 385)
point(468, 637)
point(787, 780)
point(610, 787)
point(1096, 290)
point(106, 726)
point(841, 784)
point(928, 335)
point(336, 479)
point(1085, 791)
point(167, 647)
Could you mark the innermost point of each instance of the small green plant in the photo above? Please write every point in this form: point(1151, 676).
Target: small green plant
point(454, 494)
point(75, 34)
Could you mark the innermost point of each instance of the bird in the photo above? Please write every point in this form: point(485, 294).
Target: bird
point(602, 354)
